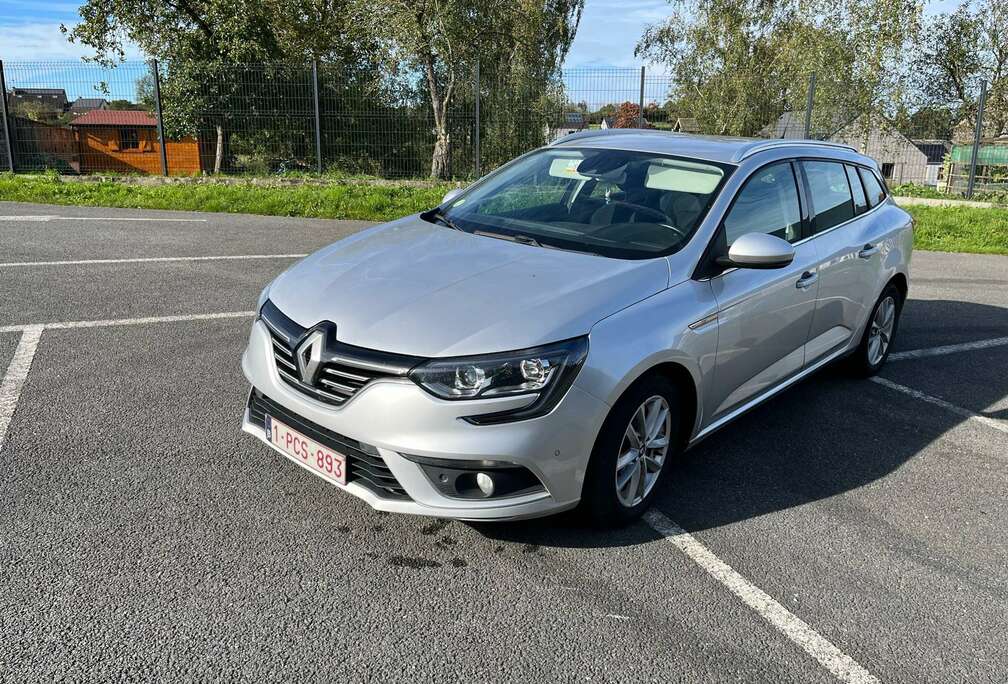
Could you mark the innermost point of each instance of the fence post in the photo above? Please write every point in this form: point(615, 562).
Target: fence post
point(640, 111)
point(160, 118)
point(808, 105)
point(318, 124)
point(476, 131)
point(6, 122)
point(977, 134)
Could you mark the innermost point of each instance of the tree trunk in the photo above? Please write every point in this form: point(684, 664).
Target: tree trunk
point(219, 155)
point(441, 161)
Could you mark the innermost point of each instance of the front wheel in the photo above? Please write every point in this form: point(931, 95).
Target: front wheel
point(876, 343)
point(632, 453)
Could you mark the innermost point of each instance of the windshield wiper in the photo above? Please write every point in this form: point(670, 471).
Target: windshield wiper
point(523, 239)
point(438, 215)
point(531, 241)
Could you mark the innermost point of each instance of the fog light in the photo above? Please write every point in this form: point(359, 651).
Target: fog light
point(485, 483)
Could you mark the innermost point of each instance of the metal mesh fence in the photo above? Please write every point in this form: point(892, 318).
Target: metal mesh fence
point(264, 119)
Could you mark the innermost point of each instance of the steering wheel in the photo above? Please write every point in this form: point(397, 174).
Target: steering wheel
point(664, 219)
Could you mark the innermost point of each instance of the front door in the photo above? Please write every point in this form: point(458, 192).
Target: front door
point(764, 315)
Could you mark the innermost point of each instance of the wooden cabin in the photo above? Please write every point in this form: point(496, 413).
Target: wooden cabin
point(126, 141)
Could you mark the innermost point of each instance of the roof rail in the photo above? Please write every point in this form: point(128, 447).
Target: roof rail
point(787, 142)
point(601, 132)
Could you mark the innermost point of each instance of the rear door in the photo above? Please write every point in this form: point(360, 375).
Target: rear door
point(846, 241)
point(763, 314)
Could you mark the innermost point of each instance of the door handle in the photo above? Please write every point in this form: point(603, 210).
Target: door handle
point(807, 280)
point(868, 251)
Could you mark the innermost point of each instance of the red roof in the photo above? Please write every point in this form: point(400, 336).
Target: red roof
point(114, 117)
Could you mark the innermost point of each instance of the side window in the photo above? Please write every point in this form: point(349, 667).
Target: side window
point(767, 203)
point(831, 199)
point(872, 187)
point(860, 201)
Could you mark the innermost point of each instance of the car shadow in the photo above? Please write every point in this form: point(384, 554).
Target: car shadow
point(827, 435)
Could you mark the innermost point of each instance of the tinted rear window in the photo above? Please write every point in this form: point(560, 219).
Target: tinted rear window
point(873, 188)
point(831, 199)
point(860, 202)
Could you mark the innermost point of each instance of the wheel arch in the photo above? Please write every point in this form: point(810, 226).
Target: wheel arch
point(680, 376)
point(901, 283)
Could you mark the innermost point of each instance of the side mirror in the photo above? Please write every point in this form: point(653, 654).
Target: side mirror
point(450, 195)
point(759, 250)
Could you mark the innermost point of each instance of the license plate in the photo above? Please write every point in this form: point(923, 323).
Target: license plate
point(323, 460)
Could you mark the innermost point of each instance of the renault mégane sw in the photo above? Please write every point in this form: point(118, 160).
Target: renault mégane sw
point(558, 332)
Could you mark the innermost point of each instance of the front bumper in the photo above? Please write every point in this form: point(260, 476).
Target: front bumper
point(397, 417)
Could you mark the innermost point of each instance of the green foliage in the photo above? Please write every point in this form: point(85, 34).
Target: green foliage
point(915, 190)
point(956, 52)
point(960, 229)
point(364, 201)
point(406, 61)
point(520, 46)
point(737, 65)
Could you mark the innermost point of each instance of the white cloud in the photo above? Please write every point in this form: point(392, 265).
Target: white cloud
point(610, 29)
point(44, 41)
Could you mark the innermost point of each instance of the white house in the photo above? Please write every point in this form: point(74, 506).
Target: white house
point(901, 161)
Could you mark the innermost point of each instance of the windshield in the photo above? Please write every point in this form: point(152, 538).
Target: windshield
point(616, 203)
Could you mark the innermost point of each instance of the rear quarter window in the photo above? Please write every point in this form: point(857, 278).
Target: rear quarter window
point(857, 190)
point(873, 187)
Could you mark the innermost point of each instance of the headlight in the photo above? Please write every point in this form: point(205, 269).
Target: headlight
point(545, 371)
point(263, 296)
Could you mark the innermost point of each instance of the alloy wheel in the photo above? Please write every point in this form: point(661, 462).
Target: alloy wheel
point(881, 331)
point(643, 450)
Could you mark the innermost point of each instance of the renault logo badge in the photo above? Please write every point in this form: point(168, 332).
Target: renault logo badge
point(309, 356)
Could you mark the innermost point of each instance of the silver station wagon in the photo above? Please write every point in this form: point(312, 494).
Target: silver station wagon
point(558, 333)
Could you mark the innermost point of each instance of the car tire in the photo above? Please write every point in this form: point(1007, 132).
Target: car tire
point(876, 342)
point(613, 460)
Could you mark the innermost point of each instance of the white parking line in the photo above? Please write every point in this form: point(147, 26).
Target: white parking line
point(128, 321)
point(949, 349)
point(838, 663)
point(17, 373)
point(147, 260)
point(958, 410)
point(47, 218)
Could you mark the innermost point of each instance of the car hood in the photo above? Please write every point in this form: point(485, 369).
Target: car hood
point(413, 287)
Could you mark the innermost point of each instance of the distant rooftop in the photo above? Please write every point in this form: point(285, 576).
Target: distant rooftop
point(54, 98)
point(84, 103)
point(934, 150)
point(114, 117)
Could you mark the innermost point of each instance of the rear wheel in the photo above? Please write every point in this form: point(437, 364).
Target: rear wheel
point(876, 343)
point(632, 453)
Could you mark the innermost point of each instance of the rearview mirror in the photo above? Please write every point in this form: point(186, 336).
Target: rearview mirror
point(450, 195)
point(759, 250)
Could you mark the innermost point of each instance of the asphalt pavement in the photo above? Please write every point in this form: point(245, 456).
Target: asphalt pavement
point(144, 537)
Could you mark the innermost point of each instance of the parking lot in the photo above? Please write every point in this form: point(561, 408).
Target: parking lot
point(847, 530)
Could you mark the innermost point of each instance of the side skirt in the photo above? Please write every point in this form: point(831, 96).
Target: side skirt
point(752, 403)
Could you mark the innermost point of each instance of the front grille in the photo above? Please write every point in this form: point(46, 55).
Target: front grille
point(344, 369)
point(334, 383)
point(366, 469)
